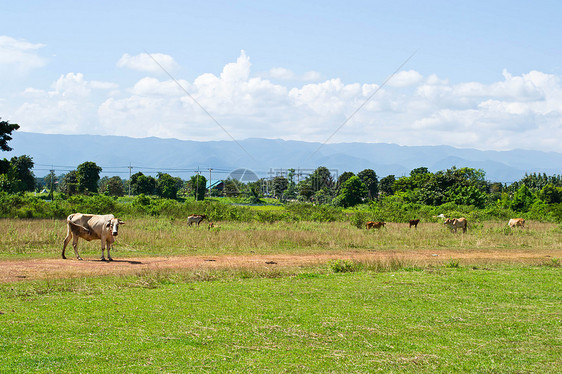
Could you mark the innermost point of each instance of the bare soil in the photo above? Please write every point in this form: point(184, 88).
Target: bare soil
point(17, 270)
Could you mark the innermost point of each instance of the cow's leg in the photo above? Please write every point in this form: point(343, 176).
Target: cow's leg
point(75, 246)
point(102, 249)
point(66, 241)
point(108, 249)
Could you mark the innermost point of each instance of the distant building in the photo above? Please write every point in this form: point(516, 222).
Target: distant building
point(217, 185)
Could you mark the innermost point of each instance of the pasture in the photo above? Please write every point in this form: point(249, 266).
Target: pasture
point(388, 300)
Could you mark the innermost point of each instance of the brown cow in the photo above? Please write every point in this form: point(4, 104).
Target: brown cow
point(91, 227)
point(414, 222)
point(375, 225)
point(517, 222)
point(455, 223)
point(195, 218)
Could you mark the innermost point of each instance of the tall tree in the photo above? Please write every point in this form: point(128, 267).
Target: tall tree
point(351, 192)
point(142, 184)
point(168, 186)
point(342, 178)
point(280, 184)
point(5, 134)
point(88, 174)
point(321, 178)
point(69, 183)
point(24, 178)
point(386, 185)
point(113, 186)
point(369, 177)
point(198, 184)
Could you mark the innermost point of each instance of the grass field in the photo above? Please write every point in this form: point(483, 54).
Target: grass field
point(342, 316)
point(447, 319)
point(164, 236)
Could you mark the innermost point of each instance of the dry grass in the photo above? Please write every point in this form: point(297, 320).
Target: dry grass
point(162, 236)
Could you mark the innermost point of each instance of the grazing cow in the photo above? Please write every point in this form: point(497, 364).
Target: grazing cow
point(211, 225)
point(455, 223)
point(517, 222)
point(374, 225)
point(414, 222)
point(195, 218)
point(91, 227)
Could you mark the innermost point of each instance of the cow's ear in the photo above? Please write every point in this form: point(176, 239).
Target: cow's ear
point(121, 222)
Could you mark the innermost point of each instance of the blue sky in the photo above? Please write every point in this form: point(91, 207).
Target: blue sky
point(484, 75)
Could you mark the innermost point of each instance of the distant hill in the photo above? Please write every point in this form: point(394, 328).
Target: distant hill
point(180, 158)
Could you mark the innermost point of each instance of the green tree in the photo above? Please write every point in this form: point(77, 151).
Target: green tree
point(113, 186)
point(551, 194)
point(230, 187)
point(351, 193)
point(69, 183)
point(142, 184)
point(198, 184)
point(321, 178)
point(386, 185)
point(280, 184)
point(23, 177)
point(342, 178)
point(291, 191)
point(168, 186)
point(369, 177)
point(305, 190)
point(50, 182)
point(88, 174)
point(6, 130)
point(522, 199)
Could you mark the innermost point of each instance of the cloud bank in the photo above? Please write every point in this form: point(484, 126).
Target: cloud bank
point(517, 111)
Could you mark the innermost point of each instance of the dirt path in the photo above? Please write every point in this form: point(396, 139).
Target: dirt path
point(17, 270)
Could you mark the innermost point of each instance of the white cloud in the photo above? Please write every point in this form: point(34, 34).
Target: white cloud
point(405, 79)
point(517, 111)
point(284, 74)
point(19, 56)
point(145, 63)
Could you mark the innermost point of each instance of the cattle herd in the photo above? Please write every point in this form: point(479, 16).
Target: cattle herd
point(106, 227)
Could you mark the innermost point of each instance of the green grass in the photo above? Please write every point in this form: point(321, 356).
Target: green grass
point(505, 319)
point(22, 239)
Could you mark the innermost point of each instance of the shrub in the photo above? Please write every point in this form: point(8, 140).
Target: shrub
point(342, 266)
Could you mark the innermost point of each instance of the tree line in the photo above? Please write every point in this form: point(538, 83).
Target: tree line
point(461, 186)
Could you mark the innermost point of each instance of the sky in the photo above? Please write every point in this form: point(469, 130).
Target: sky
point(479, 74)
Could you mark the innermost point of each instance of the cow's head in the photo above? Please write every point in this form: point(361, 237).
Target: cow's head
point(113, 225)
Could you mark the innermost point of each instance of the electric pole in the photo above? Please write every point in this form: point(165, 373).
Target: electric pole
point(130, 168)
point(210, 181)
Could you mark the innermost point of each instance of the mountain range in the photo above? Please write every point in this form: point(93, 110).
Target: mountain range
point(266, 156)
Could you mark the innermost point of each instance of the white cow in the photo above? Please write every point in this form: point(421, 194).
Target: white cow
point(91, 227)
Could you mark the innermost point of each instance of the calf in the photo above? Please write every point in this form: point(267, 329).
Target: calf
point(375, 225)
point(91, 227)
point(195, 218)
point(517, 222)
point(414, 222)
point(455, 223)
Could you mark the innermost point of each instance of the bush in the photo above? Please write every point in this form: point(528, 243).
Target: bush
point(342, 266)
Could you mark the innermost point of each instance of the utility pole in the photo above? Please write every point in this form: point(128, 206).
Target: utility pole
point(52, 171)
point(210, 180)
point(197, 184)
point(130, 168)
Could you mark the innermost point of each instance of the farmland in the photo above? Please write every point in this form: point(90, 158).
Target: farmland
point(282, 297)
